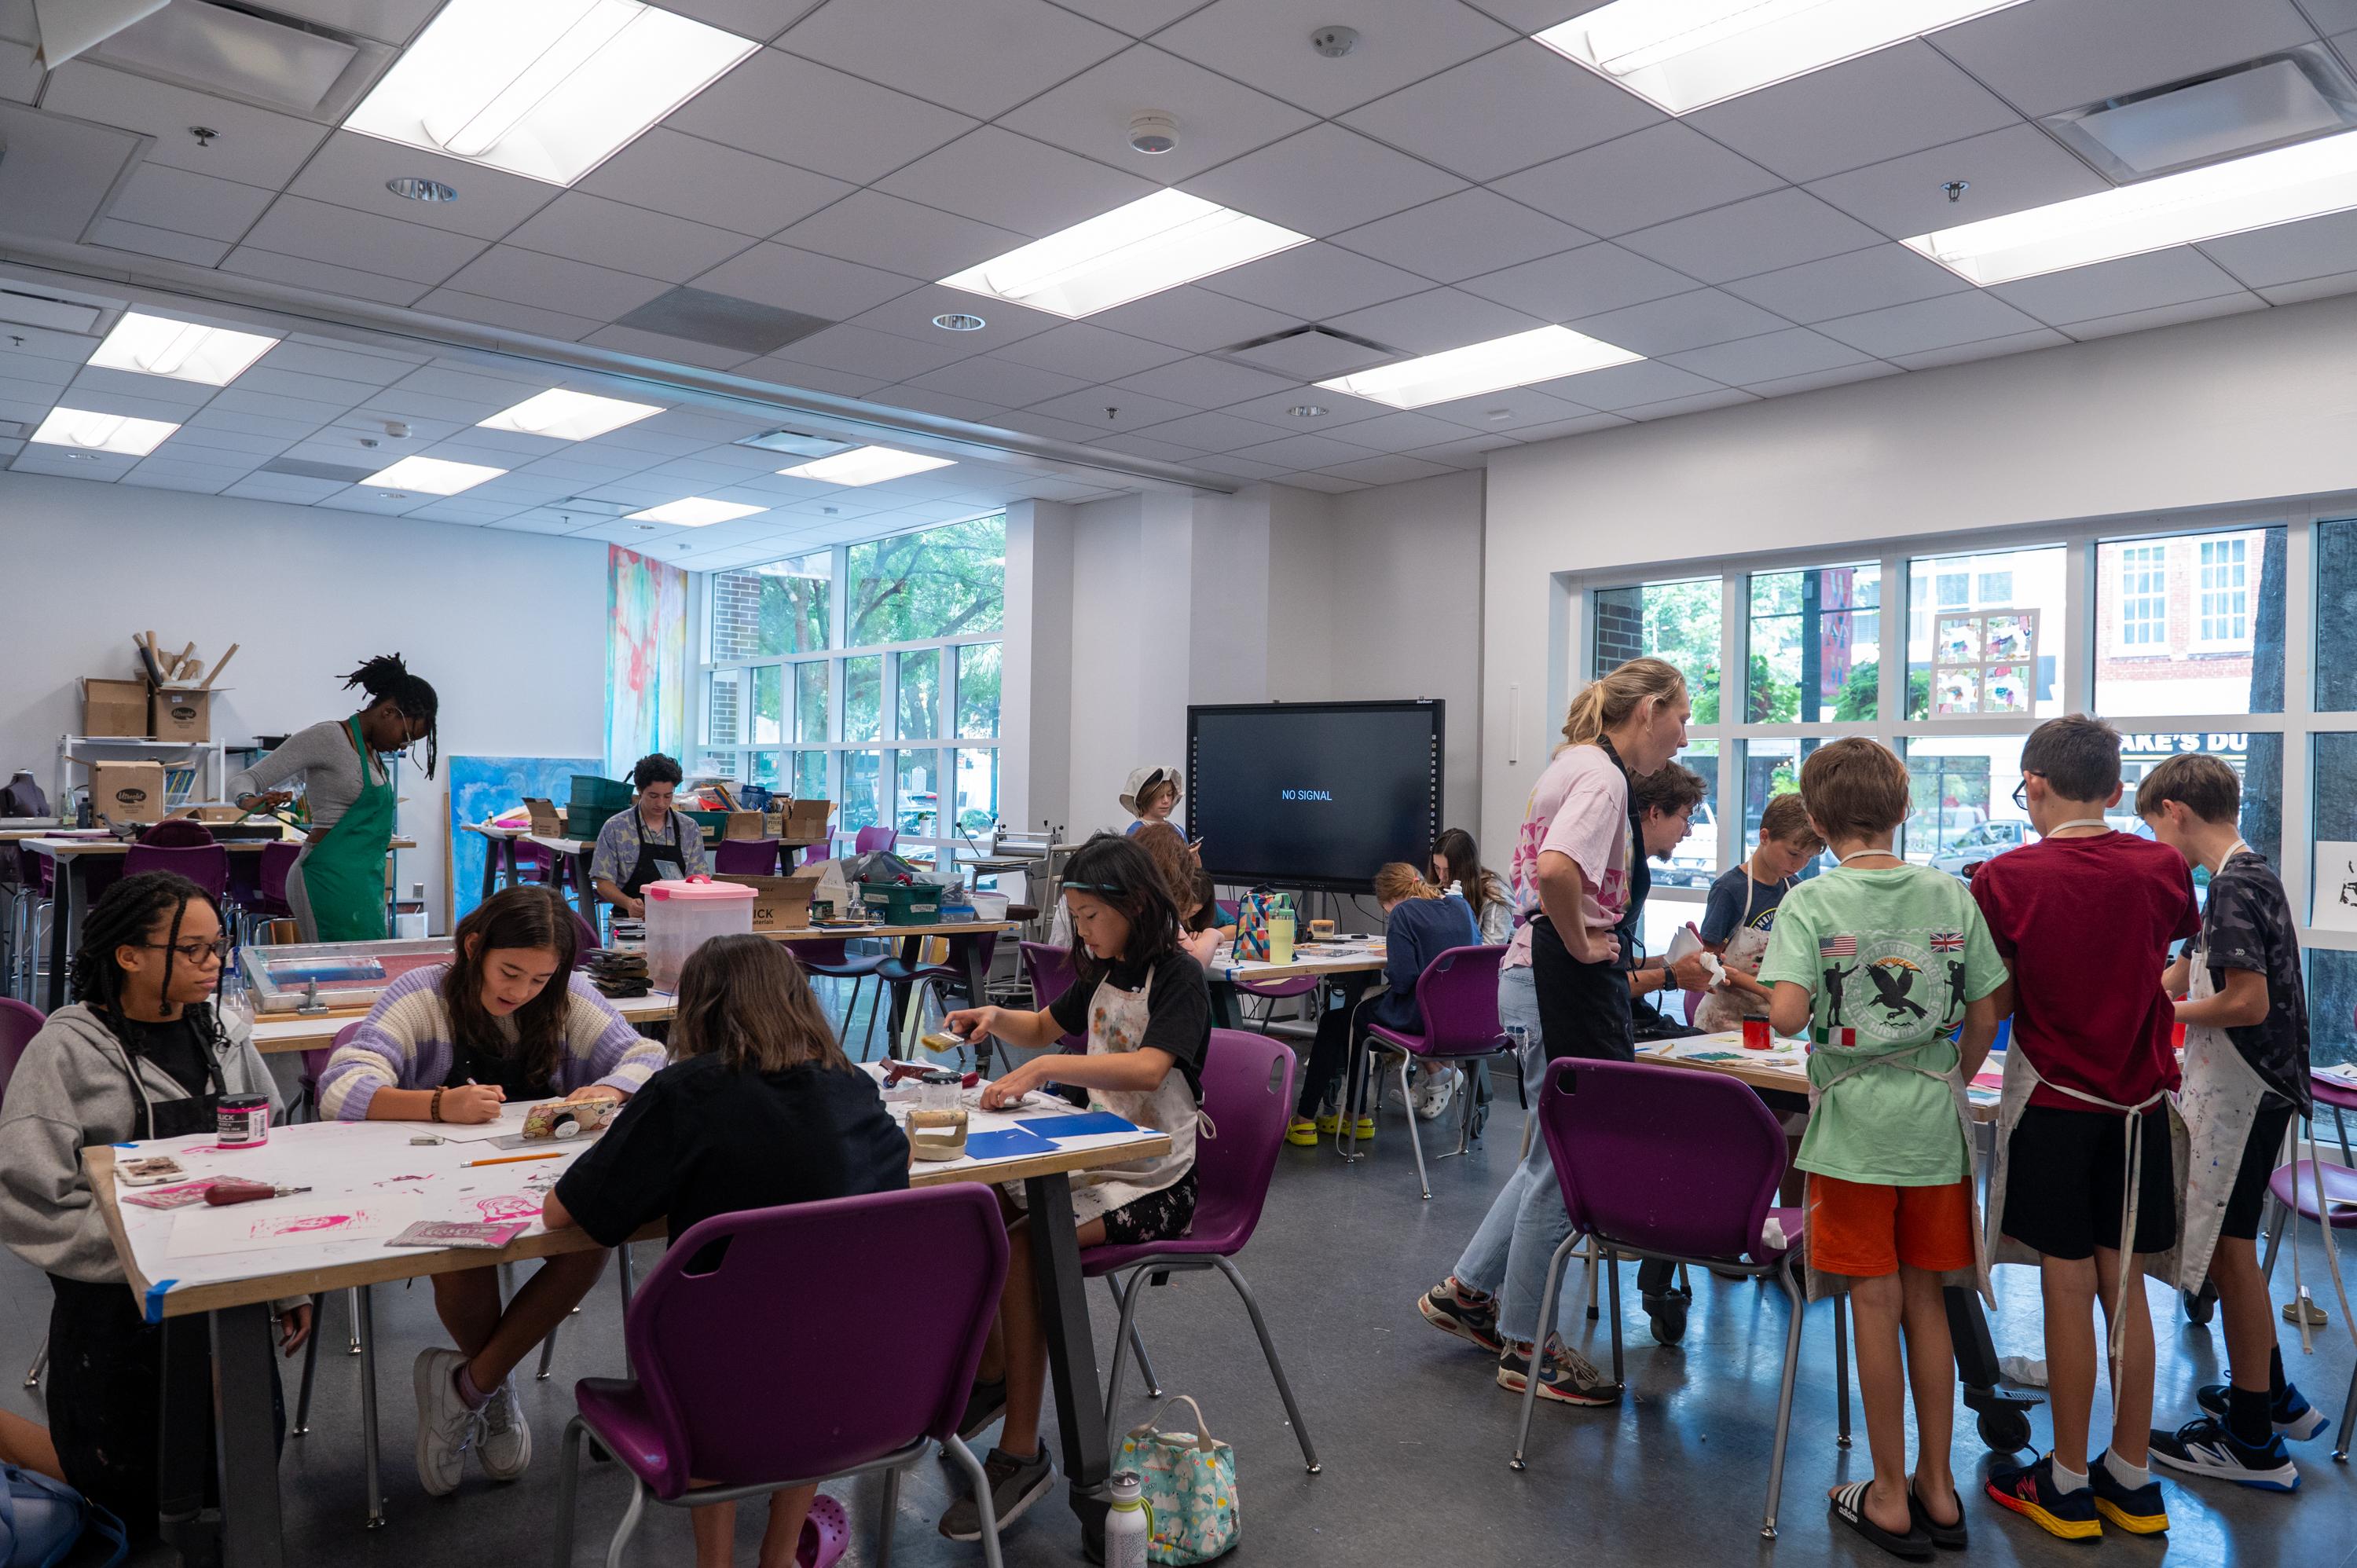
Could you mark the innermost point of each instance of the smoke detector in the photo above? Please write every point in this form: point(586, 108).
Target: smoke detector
point(1153, 132)
point(1334, 42)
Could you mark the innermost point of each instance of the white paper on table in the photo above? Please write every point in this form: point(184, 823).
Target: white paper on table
point(509, 1125)
point(2334, 901)
point(299, 1221)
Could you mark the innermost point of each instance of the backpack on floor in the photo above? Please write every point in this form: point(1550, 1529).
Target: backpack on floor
point(40, 1520)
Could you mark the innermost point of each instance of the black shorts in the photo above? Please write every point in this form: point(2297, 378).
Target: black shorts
point(2063, 1182)
point(2248, 1201)
point(1583, 1008)
point(1162, 1216)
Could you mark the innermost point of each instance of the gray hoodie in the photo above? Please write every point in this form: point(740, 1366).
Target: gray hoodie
point(74, 1090)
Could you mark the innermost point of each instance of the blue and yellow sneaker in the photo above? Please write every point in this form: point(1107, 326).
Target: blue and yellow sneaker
point(2028, 1490)
point(2297, 1419)
point(2138, 1510)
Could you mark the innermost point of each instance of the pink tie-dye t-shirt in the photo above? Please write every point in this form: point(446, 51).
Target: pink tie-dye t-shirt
point(1579, 807)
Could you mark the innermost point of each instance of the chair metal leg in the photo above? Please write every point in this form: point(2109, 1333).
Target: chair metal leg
point(1122, 1336)
point(1556, 1267)
point(1136, 1344)
point(884, 1525)
point(352, 1319)
point(1415, 1143)
point(568, 1488)
point(1276, 1368)
point(1784, 1400)
point(1595, 1276)
point(2348, 1414)
point(310, 1364)
point(1841, 1363)
point(364, 1324)
point(630, 1525)
point(979, 1480)
point(1612, 1279)
point(627, 1276)
point(40, 1364)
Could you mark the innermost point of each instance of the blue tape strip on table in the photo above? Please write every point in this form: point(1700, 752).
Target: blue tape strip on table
point(1087, 1123)
point(155, 1304)
point(1006, 1144)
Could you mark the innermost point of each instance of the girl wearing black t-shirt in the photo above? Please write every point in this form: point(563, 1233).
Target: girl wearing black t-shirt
point(1143, 1005)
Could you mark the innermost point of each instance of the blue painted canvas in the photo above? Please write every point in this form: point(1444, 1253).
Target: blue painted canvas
point(483, 786)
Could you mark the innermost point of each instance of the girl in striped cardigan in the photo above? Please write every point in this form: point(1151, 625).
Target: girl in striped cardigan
point(506, 1018)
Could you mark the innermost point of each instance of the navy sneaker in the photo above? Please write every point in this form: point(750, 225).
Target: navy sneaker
point(2294, 1417)
point(1448, 1308)
point(2140, 1511)
point(2028, 1490)
point(1566, 1376)
point(2205, 1447)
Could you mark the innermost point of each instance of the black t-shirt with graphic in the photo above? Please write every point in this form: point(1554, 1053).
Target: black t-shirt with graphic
point(1177, 1008)
point(2248, 925)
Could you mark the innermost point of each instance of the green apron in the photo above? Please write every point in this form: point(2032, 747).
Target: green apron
point(343, 873)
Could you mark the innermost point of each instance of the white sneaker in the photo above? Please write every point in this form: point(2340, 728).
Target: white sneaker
point(1434, 1093)
point(504, 1444)
point(446, 1427)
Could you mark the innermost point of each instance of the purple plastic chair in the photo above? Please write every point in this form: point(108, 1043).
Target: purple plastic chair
point(2292, 1193)
point(585, 933)
point(206, 865)
point(1682, 1165)
point(875, 840)
point(19, 1022)
point(1248, 1098)
point(1050, 969)
point(1457, 1001)
point(745, 857)
point(836, 960)
point(927, 1265)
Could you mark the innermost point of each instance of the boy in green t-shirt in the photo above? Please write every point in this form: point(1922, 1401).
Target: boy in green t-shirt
point(1878, 962)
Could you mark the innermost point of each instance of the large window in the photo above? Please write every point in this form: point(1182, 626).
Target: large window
point(1674, 621)
point(2191, 625)
point(820, 667)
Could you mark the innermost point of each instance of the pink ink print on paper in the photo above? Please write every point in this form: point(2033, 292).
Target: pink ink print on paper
point(515, 1205)
point(198, 1231)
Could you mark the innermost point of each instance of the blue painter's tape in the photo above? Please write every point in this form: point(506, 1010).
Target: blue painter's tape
point(126, 1145)
point(156, 1299)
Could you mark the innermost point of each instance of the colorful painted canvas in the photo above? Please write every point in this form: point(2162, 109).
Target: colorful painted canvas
point(483, 786)
point(646, 660)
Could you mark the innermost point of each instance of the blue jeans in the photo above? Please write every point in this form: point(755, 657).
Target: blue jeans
point(1509, 1254)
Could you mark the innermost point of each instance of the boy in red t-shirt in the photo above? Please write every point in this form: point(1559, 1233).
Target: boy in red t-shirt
point(2084, 918)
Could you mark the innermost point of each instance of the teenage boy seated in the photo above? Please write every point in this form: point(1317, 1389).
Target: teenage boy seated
point(1742, 911)
point(2245, 1078)
point(2084, 917)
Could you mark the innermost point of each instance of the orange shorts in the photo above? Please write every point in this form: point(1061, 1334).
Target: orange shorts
point(1865, 1229)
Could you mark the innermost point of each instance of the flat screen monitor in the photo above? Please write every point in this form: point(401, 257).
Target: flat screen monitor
point(1313, 794)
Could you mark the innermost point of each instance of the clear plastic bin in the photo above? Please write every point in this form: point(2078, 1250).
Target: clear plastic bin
point(684, 915)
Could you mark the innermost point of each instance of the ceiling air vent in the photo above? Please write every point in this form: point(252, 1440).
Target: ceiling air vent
point(2272, 102)
point(250, 54)
point(722, 320)
point(306, 469)
point(796, 442)
point(1310, 353)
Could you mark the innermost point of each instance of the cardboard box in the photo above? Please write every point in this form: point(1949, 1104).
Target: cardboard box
point(747, 825)
point(546, 821)
point(180, 714)
point(214, 816)
point(114, 707)
point(805, 822)
point(128, 792)
point(780, 903)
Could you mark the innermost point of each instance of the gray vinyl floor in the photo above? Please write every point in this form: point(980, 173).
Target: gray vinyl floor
point(1413, 1431)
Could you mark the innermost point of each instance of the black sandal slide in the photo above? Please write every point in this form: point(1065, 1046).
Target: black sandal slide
point(1946, 1537)
point(1847, 1506)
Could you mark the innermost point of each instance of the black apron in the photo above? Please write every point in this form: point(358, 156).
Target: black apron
point(176, 1118)
point(657, 862)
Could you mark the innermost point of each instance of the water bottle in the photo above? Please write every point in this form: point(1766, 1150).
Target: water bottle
point(1125, 1528)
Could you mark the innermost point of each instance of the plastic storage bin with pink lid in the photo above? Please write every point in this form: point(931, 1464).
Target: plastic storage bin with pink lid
point(684, 915)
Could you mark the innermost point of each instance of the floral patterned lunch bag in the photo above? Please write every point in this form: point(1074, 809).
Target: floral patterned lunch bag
point(1189, 1481)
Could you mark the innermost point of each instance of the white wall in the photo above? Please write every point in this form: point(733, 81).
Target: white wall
point(2235, 410)
point(510, 628)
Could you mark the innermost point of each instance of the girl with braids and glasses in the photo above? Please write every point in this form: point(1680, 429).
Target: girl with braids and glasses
point(337, 888)
point(142, 1055)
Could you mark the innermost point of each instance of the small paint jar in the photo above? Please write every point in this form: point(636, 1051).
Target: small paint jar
point(243, 1120)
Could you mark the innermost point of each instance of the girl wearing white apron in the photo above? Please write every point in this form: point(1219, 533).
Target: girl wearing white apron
point(1142, 1001)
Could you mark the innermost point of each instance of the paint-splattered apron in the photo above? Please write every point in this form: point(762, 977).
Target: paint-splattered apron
point(1117, 1022)
point(1726, 1008)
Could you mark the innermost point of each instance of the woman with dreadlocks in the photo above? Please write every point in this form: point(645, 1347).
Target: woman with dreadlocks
point(336, 889)
point(142, 1055)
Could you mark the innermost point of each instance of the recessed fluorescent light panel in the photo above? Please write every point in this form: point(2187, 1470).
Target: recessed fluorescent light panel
point(866, 465)
point(1683, 55)
point(568, 415)
point(695, 512)
point(1155, 243)
point(89, 432)
point(432, 476)
point(158, 346)
point(2257, 192)
point(1543, 354)
point(546, 89)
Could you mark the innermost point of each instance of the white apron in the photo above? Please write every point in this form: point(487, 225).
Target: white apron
point(1722, 1008)
point(2219, 1102)
point(1117, 1022)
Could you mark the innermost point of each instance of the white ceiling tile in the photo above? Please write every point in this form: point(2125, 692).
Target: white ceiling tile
point(1507, 412)
point(350, 170)
point(1629, 386)
point(947, 404)
point(811, 378)
point(1473, 453)
point(216, 417)
point(162, 196)
point(2057, 54)
point(1988, 348)
point(1863, 111)
point(1773, 355)
point(1579, 282)
point(1084, 349)
point(799, 112)
point(2347, 44)
point(1403, 429)
point(258, 448)
point(690, 177)
point(1331, 484)
point(1304, 452)
point(1210, 432)
point(652, 245)
point(300, 413)
point(136, 404)
point(1700, 402)
point(1390, 470)
point(886, 356)
point(759, 20)
point(2174, 276)
point(254, 146)
point(1236, 468)
point(155, 391)
point(1507, 110)
point(880, 230)
point(1324, 180)
point(2234, 304)
point(980, 57)
point(1841, 375)
point(1135, 17)
point(1757, 236)
point(58, 171)
point(1004, 383)
point(1004, 325)
point(286, 488)
point(115, 234)
point(1463, 235)
point(1846, 286)
point(1149, 447)
point(1105, 410)
point(1663, 172)
point(40, 457)
point(511, 315)
point(533, 277)
point(331, 391)
point(1316, 280)
point(2008, 170)
point(20, 77)
point(1435, 320)
point(151, 474)
point(344, 362)
point(1218, 118)
point(1193, 318)
point(1205, 382)
point(1014, 182)
point(343, 238)
point(304, 272)
point(2309, 288)
point(1682, 321)
point(1266, 44)
point(388, 21)
point(824, 286)
point(2288, 252)
point(1927, 324)
point(1277, 410)
point(40, 343)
